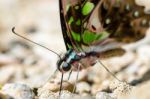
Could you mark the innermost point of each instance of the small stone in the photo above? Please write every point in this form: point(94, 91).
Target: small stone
point(46, 94)
point(120, 88)
point(103, 95)
point(55, 86)
point(7, 59)
point(18, 91)
point(68, 95)
point(4, 96)
point(83, 87)
point(9, 70)
point(64, 94)
point(50, 86)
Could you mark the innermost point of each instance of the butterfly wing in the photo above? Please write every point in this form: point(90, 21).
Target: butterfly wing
point(66, 18)
point(124, 19)
point(74, 18)
point(102, 26)
point(63, 25)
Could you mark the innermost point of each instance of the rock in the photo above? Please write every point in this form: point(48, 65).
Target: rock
point(7, 59)
point(55, 86)
point(83, 87)
point(64, 94)
point(15, 73)
point(4, 96)
point(46, 94)
point(120, 88)
point(9, 70)
point(103, 95)
point(82, 97)
point(138, 92)
point(18, 91)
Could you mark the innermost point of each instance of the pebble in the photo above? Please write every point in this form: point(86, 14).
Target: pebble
point(4, 96)
point(138, 92)
point(83, 87)
point(120, 88)
point(55, 86)
point(18, 91)
point(7, 59)
point(47, 94)
point(103, 95)
point(9, 70)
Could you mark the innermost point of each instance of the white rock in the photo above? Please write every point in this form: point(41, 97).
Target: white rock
point(18, 91)
point(103, 95)
point(83, 87)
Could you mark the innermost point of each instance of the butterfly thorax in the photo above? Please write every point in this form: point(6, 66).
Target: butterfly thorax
point(74, 59)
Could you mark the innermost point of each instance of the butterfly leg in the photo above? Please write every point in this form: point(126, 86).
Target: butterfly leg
point(74, 89)
point(69, 74)
point(108, 70)
point(62, 76)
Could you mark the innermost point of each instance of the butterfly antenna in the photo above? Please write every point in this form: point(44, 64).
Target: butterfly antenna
point(108, 70)
point(13, 30)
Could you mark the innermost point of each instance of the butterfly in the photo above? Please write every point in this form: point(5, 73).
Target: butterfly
point(94, 29)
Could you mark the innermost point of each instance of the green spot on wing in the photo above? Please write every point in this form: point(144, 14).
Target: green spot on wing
point(89, 37)
point(78, 22)
point(67, 7)
point(76, 7)
point(70, 20)
point(87, 8)
point(76, 36)
point(69, 46)
point(102, 35)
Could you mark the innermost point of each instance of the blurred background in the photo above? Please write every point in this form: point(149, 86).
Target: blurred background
point(38, 20)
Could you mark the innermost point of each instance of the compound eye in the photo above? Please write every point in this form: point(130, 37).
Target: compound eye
point(66, 66)
point(59, 62)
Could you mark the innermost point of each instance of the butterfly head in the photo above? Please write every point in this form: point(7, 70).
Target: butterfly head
point(65, 63)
